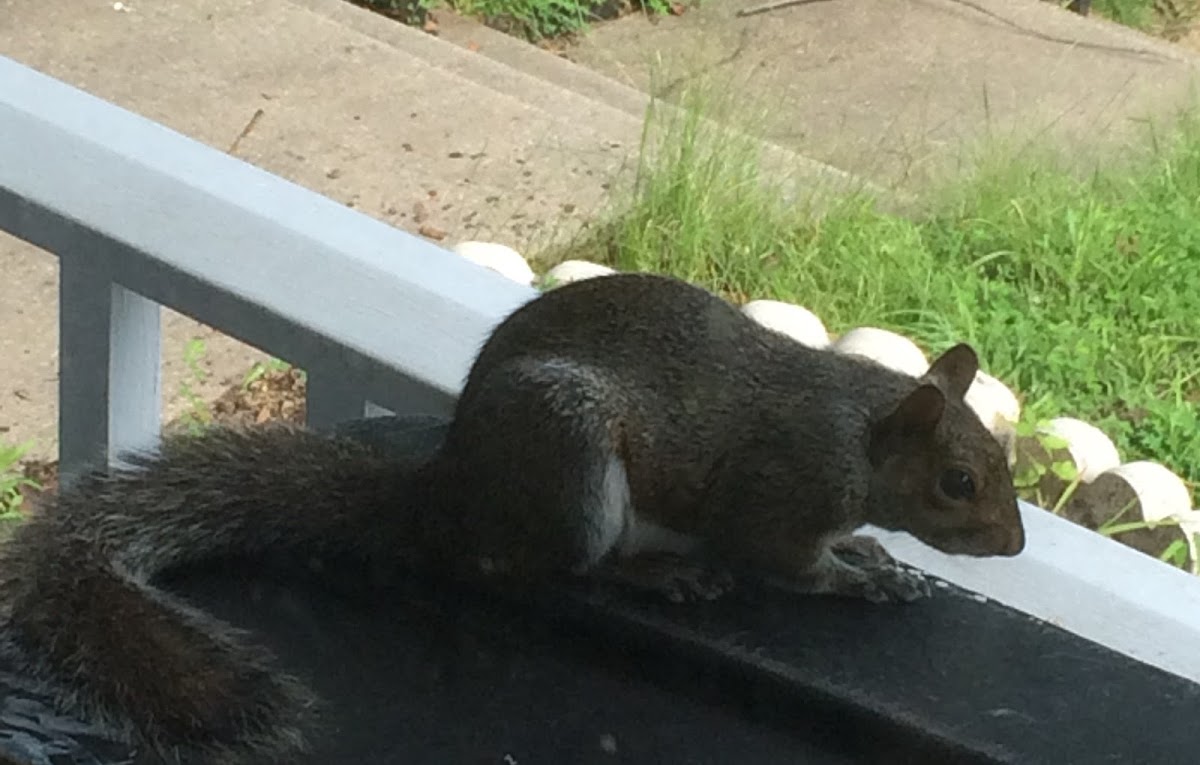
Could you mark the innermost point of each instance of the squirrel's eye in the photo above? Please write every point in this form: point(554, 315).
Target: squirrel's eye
point(957, 484)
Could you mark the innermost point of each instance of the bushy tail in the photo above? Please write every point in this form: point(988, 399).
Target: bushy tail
point(78, 609)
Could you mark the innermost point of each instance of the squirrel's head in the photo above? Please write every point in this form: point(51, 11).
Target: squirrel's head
point(944, 477)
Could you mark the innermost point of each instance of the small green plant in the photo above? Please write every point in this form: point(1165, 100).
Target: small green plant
point(261, 368)
point(1139, 14)
point(1169, 18)
point(402, 10)
point(531, 19)
point(1177, 553)
point(197, 416)
point(13, 480)
point(1029, 478)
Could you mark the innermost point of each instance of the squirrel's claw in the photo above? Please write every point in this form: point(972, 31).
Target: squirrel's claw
point(894, 584)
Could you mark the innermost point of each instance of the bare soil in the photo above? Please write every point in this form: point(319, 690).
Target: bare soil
point(276, 395)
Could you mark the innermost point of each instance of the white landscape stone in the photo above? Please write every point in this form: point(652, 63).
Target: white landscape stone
point(576, 270)
point(500, 258)
point(885, 347)
point(797, 322)
point(997, 406)
point(1091, 450)
point(1160, 494)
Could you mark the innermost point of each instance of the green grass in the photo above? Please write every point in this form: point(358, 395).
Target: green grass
point(540, 19)
point(1139, 14)
point(12, 481)
point(531, 19)
point(1168, 18)
point(1081, 292)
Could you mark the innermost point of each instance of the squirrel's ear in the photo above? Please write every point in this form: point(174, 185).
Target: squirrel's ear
point(917, 413)
point(954, 370)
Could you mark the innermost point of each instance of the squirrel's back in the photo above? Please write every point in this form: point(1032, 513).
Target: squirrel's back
point(681, 359)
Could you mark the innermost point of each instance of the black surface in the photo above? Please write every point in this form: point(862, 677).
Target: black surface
point(422, 672)
point(438, 676)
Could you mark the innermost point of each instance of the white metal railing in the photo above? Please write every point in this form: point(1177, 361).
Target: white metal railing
point(140, 216)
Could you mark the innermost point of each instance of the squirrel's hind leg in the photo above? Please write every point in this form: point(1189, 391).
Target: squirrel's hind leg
point(555, 498)
point(534, 473)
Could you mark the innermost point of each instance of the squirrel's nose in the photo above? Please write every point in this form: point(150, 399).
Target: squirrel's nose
point(1014, 541)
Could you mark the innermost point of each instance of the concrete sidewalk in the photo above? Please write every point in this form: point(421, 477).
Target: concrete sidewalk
point(478, 135)
point(893, 91)
point(394, 123)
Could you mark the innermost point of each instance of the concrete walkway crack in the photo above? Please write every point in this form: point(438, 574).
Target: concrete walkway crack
point(1139, 52)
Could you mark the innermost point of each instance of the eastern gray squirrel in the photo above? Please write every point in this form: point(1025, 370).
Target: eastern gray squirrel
point(626, 426)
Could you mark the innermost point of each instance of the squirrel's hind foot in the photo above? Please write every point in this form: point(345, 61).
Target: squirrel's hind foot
point(674, 577)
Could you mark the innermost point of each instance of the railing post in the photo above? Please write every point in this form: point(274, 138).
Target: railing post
point(109, 393)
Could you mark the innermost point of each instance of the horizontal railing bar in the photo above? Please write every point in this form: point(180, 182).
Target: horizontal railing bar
point(267, 261)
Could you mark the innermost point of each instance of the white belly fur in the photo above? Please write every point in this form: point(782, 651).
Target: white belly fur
point(613, 522)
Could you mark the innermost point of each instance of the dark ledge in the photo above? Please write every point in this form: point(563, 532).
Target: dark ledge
point(424, 672)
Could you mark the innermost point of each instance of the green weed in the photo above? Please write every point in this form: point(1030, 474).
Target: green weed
point(1036, 463)
point(198, 414)
point(1139, 14)
point(1169, 18)
point(1177, 553)
point(13, 480)
point(531, 19)
point(261, 368)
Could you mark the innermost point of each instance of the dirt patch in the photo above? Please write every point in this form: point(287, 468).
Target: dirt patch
point(270, 395)
point(275, 395)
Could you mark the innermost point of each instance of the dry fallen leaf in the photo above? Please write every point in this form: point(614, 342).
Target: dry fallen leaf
point(431, 231)
point(472, 46)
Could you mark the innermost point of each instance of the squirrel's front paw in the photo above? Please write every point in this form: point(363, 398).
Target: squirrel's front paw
point(861, 551)
point(873, 575)
point(889, 584)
